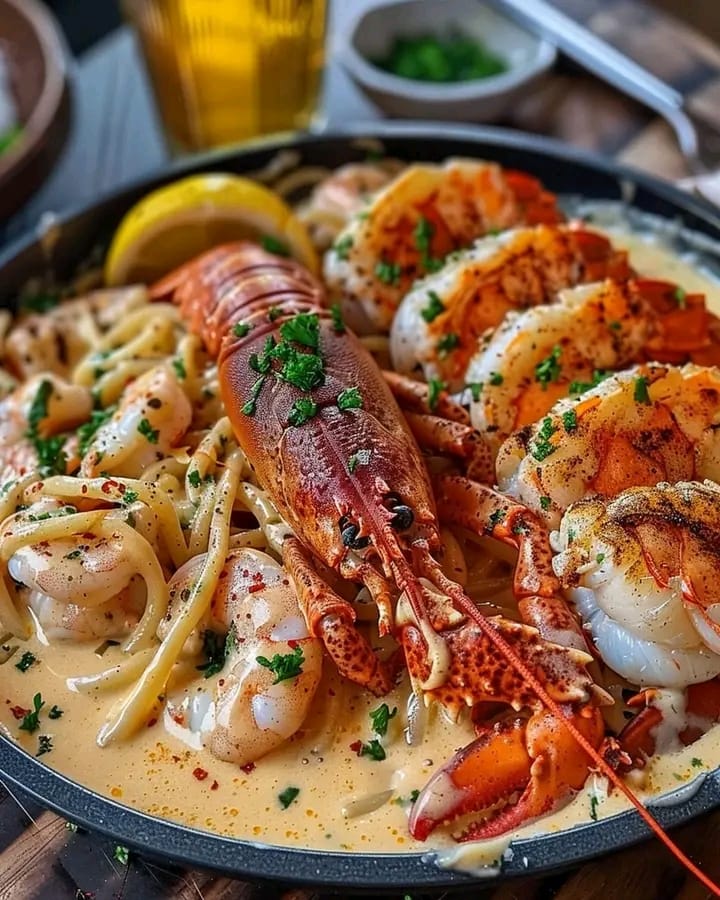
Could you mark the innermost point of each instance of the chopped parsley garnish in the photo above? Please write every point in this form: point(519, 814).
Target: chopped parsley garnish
point(343, 246)
point(45, 744)
point(696, 763)
point(640, 392)
point(337, 319)
point(262, 362)
point(350, 398)
point(248, 407)
point(435, 388)
point(179, 367)
point(305, 371)
point(284, 666)
point(434, 307)
point(273, 245)
point(579, 387)
point(86, 432)
point(147, 431)
point(26, 660)
point(287, 796)
point(52, 460)
point(380, 718)
point(549, 369)
point(55, 712)
point(194, 478)
point(388, 272)
point(31, 720)
point(39, 408)
point(73, 554)
point(423, 234)
point(680, 297)
point(121, 855)
point(41, 302)
point(374, 749)
point(475, 388)
point(495, 519)
point(593, 808)
point(615, 326)
point(216, 649)
point(301, 411)
point(545, 503)
point(447, 343)
point(359, 458)
point(496, 379)
point(600, 558)
point(274, 313)
point(241, 329)
point(569, 420)
point(303, 329)
point(542, 447)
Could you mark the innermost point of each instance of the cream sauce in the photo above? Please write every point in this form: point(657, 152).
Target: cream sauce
point(345, 802)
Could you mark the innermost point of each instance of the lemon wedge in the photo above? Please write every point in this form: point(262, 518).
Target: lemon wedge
point(177, 222)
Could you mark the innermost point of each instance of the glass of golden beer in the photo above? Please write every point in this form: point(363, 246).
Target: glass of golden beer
point(226, 70)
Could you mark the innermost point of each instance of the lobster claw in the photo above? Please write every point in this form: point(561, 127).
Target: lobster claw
point(537, 756)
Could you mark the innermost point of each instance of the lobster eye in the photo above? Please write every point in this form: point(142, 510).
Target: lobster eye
point(349, 531)
point(404, 516)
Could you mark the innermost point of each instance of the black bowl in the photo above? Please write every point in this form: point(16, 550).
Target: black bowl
point(562, 170)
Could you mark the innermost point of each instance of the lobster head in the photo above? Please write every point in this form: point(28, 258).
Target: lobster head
point(356, 487)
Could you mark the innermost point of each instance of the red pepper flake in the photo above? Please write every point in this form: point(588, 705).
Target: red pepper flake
point(84, 489)
point(107, 486)
point(19, 712)
point(200, 774)
point(356, 746)
point(248, 767)
point(254, 588)
point(293, 643)
point(214, 786)
point(152, 722)
point(178, 717)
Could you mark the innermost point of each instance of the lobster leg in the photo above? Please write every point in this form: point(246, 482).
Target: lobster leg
point(414, 396)
point(637, 738)
point(484, 511)
point(332, 619)
point(455, 439)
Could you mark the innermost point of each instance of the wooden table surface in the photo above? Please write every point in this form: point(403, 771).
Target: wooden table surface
point(116, 139)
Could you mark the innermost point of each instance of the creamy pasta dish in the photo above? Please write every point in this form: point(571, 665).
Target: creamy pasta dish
point(386, 522)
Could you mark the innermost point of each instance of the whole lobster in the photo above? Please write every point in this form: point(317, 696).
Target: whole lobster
point(322, 429)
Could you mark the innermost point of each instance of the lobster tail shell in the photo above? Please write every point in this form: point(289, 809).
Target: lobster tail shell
point(229, 283)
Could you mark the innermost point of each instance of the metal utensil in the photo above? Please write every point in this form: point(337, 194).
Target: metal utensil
point(699, 138)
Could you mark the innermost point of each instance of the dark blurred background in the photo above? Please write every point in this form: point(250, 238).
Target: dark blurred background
point(86, 21)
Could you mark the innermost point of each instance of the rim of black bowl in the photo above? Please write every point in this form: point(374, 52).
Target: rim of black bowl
point(366, 871)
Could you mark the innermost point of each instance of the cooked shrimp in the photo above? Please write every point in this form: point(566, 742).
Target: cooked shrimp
point(56, 340)
point(649, 424)
point(113, 619)
point(152, 417)
point(642, 568)
point(62, 407)
point(412, 224)
point(343, 194)
point(534, 356)
point(85, 569)
point(256, 607)
point(440, 323)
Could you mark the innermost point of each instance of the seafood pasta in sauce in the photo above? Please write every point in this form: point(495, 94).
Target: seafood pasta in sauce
point(418, 551)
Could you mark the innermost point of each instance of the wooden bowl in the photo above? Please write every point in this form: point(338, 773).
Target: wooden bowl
point(36, 59)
